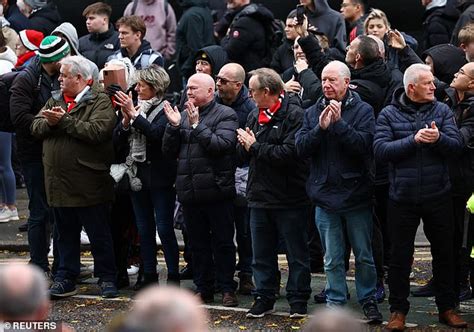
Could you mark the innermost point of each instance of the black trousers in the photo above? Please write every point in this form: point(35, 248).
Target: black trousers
point(403, 220)
point(210, 228)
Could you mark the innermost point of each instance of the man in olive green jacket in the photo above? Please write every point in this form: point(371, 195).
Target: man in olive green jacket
point(76, 127)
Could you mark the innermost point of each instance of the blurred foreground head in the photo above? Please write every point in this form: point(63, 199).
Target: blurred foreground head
point(165, 309)
point(23, 293)
point(333, 320)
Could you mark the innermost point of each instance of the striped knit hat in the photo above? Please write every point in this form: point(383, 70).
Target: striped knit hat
point(31, 39)
point(52, 49)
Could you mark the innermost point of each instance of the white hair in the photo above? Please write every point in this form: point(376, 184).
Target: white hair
point(344, 71)
point(412, 74)
point(79, 66)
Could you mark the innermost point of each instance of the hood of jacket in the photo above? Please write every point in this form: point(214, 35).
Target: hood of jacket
point(447, 59)
point(217, 57)
point(50, 12)
point(377, 72)
point(448, 11)
point(400, 100)
point(463, 4)
point(192, 3)
point(320, 7)
point(256, 11)
point(70, 32)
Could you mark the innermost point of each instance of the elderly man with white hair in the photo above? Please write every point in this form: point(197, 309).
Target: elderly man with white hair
point(76, 128)
point(416, 136)
point(337, 134)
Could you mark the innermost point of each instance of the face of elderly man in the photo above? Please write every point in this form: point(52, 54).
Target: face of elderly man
point(200, 89)
point(68, 82)
point(334, 84)
point(424, 89)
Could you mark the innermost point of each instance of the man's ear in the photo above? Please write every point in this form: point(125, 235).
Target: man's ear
point(358, 57)
point(463, 46)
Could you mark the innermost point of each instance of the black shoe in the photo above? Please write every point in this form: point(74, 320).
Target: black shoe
point(23, 227)
point(205, 298)
point(321, 297)
point(424, 291)
point(146, 280)
point(372, 313)
point(298, 310)
point(186, 273)
point(62, 289)
point(108, 289)
point(260, 308)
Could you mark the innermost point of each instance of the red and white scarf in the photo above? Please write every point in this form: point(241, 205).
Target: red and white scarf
point(266, 114)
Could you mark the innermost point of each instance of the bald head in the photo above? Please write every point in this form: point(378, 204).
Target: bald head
point(233, 71)
point(23, 293)
point(200, 89)
point(167, 309)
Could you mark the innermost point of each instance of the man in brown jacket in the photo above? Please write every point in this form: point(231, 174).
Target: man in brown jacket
point(76, 128)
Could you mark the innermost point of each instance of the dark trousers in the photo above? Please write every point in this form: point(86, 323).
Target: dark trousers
point(316, 252)
point(210, 228)
point(267, 227)
point(95, 220)
point(437, 216)
point(39, 221)
point(121, 221)
point(462, 257)
point(243, 238)
point(381, 201)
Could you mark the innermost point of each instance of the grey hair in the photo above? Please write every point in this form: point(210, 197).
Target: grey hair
point(79, 66)
point(268, 78)
point(156, 77)
point(344, 71)
point(412, 74)
point(18, 305)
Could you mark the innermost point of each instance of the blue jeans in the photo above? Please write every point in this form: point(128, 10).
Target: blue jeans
point(154, 211)
point(358, 225)
point(39, 221)
point(7, 177)
point(267, 227)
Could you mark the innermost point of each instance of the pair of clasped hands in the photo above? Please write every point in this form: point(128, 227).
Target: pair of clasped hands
point(53, 115)
point(330, 114)
point(427, 135)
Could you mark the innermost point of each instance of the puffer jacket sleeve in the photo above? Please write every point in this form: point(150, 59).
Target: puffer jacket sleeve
point(386, 148)
point(450, 141)
point(171, 141)
point(310, 136)
point(357, 138)
point(99, 126)
point(284, 153)
point(224, 138)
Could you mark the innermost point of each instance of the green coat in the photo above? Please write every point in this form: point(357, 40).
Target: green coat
point(78, 151)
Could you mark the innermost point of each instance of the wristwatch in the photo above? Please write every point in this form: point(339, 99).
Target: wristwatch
point(194, 125)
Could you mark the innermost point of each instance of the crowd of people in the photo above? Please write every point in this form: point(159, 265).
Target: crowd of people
point(341, 139)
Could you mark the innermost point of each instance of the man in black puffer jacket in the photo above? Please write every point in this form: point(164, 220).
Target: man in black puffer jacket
point(203, 138)
point(417, 136)
point(102, 40)
point(279, 206)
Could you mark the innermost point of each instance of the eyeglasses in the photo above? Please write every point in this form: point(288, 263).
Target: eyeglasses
point(462, 72)
point(224, 81)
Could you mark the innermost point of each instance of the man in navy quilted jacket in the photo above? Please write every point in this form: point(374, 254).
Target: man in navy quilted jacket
point(416, 135)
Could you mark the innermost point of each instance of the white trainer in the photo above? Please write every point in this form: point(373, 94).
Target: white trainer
point(7, 214)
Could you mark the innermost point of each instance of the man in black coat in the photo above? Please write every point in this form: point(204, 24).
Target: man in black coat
point(439, 19)
point(416, 136)
point(102, 40)
point(279, 206)
point(44, 16)
point(245, 41)
point(203, 138)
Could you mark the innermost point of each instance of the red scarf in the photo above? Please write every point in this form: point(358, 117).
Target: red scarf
point(70, 102)
point(266, 114)
point(24, 58)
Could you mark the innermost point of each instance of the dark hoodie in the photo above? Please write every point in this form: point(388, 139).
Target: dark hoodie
point(215, 55)
point(194, 31)
point(245, 41)
point(447, 60)
point(329, 22)
point(45, 19)
point(466, 7)
point(438, 25)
